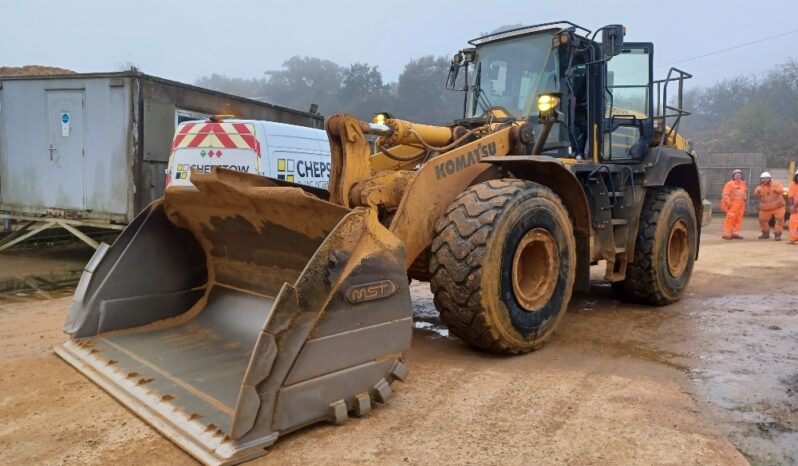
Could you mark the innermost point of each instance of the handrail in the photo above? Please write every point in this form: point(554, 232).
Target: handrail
point(662, 102)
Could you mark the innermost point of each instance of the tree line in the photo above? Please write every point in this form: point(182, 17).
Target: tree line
point(419, 94)
point(747, 114)
point(739, 114)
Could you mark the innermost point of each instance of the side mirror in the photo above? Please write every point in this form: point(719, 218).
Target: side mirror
point(612, 39)
point(460, 60)
point(454, 70)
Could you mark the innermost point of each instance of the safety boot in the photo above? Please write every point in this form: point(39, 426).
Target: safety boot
point(765, 235)
point(777, 236)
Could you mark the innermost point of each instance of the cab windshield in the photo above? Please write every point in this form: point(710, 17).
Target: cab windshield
point(511, 73)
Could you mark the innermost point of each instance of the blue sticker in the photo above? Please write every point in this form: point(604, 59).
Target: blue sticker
point(64, 117)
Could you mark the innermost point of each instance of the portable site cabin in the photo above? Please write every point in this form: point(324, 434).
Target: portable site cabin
point(91, 149)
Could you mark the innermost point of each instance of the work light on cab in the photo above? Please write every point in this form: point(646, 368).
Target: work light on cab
point(547, 103)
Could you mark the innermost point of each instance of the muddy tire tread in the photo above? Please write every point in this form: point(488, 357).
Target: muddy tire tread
point(640, 284)
point(461, 238)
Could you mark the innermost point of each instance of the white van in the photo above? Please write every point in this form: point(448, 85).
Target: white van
point(286, 152)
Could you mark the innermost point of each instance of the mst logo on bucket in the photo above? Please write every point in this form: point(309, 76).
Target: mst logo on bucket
point(370, 291)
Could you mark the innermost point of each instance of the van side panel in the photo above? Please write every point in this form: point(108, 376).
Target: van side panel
point(295, 155)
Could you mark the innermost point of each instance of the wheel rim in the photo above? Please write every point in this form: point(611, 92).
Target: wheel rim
point(678, 249)
point(536, 265)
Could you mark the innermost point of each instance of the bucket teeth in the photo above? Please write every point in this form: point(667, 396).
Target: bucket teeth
point(362, 404)
point(399, 371)
point(338, 412)
point(382, 391)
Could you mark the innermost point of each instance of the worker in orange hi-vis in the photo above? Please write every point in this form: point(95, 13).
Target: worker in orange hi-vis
point(771, 204)
point(792, 198)
point(732, 202)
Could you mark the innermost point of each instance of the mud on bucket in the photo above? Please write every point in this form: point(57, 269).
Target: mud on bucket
point(233, 311)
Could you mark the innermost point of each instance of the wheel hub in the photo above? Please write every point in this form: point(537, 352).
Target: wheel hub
point(536, 265)
point(678, 249)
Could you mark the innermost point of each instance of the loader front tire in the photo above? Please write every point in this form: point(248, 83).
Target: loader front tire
point(664, 249)
point(503, 265)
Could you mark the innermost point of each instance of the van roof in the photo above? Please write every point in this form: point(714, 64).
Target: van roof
point(276, 129)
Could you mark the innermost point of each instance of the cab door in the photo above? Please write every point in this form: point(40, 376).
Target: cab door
point(628, 106)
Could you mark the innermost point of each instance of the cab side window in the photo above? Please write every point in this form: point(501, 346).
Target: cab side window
point(627, 103)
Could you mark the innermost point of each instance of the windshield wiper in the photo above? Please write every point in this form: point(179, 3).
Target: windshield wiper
point(480, 96)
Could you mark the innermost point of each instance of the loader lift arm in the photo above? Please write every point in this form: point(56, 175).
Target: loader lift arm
point(418, 201)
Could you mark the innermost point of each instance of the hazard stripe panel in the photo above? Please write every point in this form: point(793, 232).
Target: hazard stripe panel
point(217, 135)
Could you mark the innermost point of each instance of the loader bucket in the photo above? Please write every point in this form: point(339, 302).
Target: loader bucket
point(234, 311)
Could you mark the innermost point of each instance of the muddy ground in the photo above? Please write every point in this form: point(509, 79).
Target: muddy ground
point(710, 380)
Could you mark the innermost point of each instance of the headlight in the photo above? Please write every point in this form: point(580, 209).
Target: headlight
point(547, 103)
point(380, 118)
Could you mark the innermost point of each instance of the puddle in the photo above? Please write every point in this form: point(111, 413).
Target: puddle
point(41, 273)
point(40, 286)
point(748, 366)
point(739, 351)
point(425, 316)
point(437, 328)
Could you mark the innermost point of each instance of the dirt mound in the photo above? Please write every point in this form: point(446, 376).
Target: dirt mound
point(28, 70)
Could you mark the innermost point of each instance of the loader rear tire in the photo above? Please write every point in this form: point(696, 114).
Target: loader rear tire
point(665, 249)
point(503, 265)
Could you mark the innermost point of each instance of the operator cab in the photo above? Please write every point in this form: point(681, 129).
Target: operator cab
point(596, 96)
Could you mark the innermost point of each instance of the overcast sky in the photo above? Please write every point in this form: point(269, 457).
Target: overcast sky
point(184, 40)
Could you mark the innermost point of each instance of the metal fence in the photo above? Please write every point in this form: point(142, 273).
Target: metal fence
point(716, 170)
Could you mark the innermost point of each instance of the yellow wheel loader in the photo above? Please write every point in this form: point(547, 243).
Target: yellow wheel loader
point(241, 308)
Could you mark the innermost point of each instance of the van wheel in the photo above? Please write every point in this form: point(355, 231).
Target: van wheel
point(503, 265)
